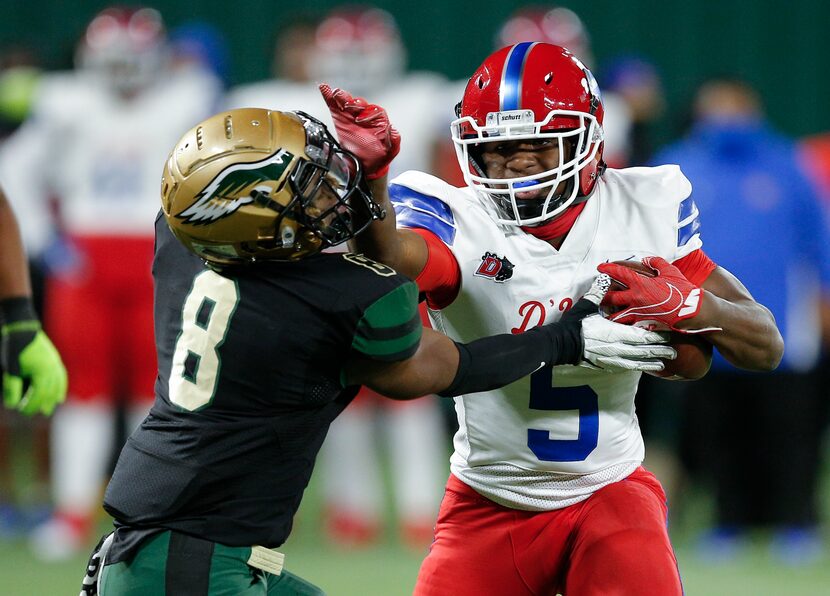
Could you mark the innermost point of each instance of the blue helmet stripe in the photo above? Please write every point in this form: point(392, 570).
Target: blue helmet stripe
point(511, 79)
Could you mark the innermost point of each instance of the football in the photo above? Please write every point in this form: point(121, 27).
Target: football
point(694, 356)
point(694, 353)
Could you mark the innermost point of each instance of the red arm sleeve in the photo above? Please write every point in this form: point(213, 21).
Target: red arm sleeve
point(440, 279)
point(696, 266)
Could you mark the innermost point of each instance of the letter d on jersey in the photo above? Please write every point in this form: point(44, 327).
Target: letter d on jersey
point(495, 268)
point(526, 311)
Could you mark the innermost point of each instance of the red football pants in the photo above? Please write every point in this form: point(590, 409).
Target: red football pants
point(99, 314)
point(613, 543)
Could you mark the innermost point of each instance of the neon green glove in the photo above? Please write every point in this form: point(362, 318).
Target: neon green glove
point(28, 357)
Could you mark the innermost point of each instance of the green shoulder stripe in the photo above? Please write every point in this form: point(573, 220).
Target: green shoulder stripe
point(390, 328)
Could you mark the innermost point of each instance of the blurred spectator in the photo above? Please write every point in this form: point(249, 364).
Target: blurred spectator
point(757, 437)
point(636, 81)
point(200, 46)
point(291, 86)
point(94, 147)
point(815, 153)
point(293, 49)
point(360, 49)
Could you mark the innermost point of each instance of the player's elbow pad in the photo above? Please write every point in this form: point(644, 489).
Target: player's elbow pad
point(493, 362)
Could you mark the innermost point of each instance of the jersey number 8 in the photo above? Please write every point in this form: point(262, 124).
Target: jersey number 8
point(207, 313)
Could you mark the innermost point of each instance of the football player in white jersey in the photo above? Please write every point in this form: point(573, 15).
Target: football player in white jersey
point(95, 145)
point(547, 492)
point(361, 49)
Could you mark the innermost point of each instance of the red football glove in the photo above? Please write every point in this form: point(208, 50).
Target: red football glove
point(658, 302)
point(364, 130)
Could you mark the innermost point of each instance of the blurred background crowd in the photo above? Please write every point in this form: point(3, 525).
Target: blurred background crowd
point(93, 97)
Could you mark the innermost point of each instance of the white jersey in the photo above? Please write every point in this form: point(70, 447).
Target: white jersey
point(99, 155)
point(412, 102)
point(554, 438)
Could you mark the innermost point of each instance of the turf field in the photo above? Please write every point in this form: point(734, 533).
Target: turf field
point(390, 570)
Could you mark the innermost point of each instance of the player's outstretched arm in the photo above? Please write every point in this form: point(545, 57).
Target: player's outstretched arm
point(447, 368)
point(364, 130)
point(26, 354)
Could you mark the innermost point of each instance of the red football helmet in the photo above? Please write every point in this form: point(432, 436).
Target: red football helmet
point(358, 48)
point(532, 91)
point(124, 45)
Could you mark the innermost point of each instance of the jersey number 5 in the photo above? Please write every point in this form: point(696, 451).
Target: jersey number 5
point(207, 313)
point(583, 399)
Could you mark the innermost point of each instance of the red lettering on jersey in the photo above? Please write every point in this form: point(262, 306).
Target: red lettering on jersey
point(527, 312)
point(566, 304)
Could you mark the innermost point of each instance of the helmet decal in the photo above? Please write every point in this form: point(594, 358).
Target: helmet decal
point(511, 82)
point(234, 187)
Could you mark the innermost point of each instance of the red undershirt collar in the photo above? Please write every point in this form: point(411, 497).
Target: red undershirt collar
point(557, 227)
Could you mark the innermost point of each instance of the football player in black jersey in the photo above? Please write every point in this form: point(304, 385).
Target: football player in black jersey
point(262, 341)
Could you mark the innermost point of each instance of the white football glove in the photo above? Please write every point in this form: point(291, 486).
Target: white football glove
point(612, 346)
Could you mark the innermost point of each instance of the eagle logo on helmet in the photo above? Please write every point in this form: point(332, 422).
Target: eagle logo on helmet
point(234, 187)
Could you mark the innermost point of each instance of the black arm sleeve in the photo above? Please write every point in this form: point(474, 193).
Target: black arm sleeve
point(498, 360)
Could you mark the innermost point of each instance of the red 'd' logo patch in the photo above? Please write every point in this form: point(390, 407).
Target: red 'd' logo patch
point(495, 268)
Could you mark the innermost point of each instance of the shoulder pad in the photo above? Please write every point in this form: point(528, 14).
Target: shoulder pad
point(422, 209)
point(657, 186)
point(663, 192)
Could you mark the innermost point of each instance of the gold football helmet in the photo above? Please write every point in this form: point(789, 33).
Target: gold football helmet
point(253, 184)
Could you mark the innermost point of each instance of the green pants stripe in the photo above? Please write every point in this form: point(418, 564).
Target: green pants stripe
point(172, 564)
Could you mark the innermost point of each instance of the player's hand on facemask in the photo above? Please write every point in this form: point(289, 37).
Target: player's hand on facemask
point(364, 130)
point(658, 302)
point(28, 357)
point(612, 346)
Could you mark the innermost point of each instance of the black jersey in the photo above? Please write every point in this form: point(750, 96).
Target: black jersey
point(249, 380)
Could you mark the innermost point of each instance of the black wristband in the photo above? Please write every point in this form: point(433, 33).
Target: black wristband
point(496, 361)
point(13, 310)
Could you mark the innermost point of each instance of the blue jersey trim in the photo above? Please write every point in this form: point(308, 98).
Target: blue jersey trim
point(511, 82)
point(687, 208)
point(685, 233)
point(689, 219)
point(417, 210)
